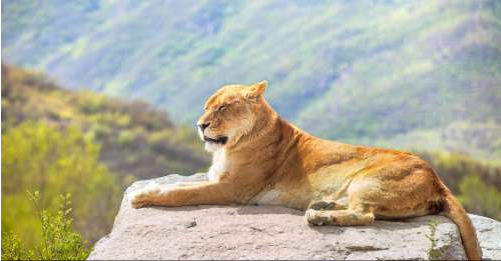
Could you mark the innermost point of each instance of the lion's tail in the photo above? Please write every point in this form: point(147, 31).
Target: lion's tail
point(453, 210)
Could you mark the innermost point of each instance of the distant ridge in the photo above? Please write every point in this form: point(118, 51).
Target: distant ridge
point(136, 140)
point(401, 74)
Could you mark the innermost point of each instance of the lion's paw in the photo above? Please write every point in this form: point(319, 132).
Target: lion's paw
point(318, 217)
point(139, 200)
point(144, 197)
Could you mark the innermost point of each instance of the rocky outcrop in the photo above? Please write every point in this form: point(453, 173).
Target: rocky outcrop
point(270, 232)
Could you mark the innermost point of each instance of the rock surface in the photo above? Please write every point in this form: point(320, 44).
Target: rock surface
point(271, 232)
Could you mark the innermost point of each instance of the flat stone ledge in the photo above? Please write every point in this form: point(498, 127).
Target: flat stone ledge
point(272, 232)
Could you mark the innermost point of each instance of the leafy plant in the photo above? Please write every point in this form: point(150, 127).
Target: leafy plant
point(13, 249)
point(58, 240)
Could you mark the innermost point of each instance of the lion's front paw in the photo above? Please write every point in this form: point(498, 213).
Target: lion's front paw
point(140, 200)
point(144, 197)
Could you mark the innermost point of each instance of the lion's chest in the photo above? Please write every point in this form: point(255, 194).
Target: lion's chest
point(219, 164)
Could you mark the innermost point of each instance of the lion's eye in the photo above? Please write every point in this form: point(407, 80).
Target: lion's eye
point(221, 108)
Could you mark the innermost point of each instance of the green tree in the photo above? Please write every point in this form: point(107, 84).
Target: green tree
point(480, 198)
point(39, 157)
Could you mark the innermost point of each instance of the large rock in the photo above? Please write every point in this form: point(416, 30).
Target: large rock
point(259, 232)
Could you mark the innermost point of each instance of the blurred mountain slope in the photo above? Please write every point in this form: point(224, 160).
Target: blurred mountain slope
point(404, 74)
point(136, 141)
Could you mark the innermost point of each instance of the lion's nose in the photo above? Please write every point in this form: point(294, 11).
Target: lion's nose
point(203, 126)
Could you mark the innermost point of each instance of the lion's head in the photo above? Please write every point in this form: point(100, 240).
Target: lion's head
point(232, 113)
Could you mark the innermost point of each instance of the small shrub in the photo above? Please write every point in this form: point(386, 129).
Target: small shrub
point(59, 241)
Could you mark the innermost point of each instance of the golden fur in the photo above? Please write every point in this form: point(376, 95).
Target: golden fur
point(261, 159)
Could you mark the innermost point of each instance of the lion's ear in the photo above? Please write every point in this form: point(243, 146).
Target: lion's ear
point(256, 90)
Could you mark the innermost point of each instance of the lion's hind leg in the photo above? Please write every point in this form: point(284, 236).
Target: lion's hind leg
point(357, 211)
point(328, 212)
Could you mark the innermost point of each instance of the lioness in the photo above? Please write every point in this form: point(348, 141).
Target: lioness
point(258, 158)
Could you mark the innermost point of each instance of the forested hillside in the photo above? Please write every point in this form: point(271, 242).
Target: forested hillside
point(404, 74)
point(136, 141)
